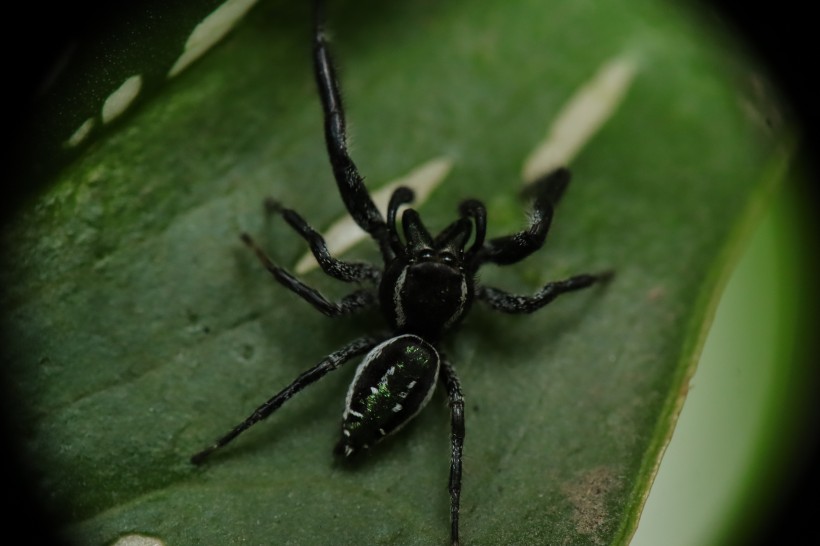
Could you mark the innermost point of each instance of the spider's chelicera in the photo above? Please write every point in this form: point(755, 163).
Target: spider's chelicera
point(426, 287)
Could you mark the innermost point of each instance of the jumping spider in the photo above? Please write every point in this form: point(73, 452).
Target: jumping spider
point(426, 287)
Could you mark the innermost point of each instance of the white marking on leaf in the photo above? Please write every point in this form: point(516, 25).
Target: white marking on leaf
point(81, 133)
point(118, 101)
point(344, 233)
point(209, 31)
point(138, 540)
point(581, 117)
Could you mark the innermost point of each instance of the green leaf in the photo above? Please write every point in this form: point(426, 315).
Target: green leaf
point(143, 329)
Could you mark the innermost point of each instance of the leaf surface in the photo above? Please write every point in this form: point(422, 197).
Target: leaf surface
point(142, 328)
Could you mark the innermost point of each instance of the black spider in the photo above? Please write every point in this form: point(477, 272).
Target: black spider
point(427, 286)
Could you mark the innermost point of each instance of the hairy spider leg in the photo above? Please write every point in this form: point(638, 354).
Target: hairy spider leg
point(338, 269)
point(512, 303)
point(351, 184)
point(328, 364)
point(510, 249)
point(401, 196)
point(415, 232)
point(458, 232)
point(514, 248)
point(453, 387)
point(349, 304)
point(473, 208)
point(454, 236)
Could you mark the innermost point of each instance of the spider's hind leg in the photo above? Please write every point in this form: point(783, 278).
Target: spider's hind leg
point(328, 364)
point(453, 387)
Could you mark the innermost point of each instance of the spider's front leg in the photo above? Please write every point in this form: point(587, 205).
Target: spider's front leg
point(351, 184)
point(349, 304)
point(514, 248)
point(338, 269)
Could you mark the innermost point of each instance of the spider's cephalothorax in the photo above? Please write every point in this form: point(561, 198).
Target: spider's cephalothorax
point(427, 286)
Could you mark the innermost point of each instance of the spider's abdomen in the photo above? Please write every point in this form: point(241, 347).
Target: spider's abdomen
point(392, 384)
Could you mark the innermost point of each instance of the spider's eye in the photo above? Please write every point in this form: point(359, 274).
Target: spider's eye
point(425, 254)
point(447, 258)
